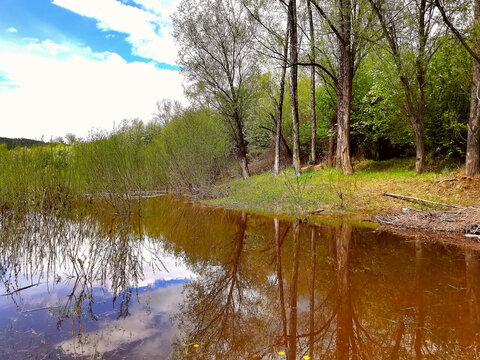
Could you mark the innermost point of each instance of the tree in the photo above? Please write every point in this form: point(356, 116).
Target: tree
point(313, 142)
point(472, 161)
point(217, 55)
point(274, 46)
point(407, 28)
point(345, 20)
point(292, 20)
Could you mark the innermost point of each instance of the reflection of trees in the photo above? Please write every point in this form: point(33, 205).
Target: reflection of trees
point(279, 274)
point(293, 295)
point(311, 295)
point(472, 269)
point(216, 312)
point(341, 335)
point(79, 252)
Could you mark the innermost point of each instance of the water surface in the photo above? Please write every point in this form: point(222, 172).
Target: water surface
point(153, 283)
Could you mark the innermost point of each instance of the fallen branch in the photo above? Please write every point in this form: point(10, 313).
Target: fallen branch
point(454, 179)
point(18, 290)
point(42, 308)
point(422, 201)
point(316, 212)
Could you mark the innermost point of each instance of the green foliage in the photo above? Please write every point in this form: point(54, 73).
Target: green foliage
point(192, 150)
point(189, 153)
point(34, 177)
point(379, 127)
point(448, 100)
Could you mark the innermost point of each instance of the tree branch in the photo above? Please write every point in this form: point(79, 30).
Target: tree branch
point(455, 31)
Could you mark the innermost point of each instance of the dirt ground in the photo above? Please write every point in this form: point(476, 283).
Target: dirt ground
point(461, 220)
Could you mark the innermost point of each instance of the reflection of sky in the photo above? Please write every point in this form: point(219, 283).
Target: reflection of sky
point(148, 333)
point(28, 319)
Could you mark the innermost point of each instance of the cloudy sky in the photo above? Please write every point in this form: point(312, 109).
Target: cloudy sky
point(72, 66)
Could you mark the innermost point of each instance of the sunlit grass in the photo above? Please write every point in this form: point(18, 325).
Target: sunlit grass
point(360, 193)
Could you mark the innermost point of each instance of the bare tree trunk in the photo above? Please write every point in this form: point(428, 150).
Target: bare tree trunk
point(242, 147)
point(345, 74)
point(421, 65)
point(472, 166)
point(313, 142)
point(292, 15)
point(414, 104)
point(276, 164)
point(331, 141)
point(418, 130)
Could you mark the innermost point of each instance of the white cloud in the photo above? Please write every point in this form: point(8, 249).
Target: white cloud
point(12, 30)
point(165, 8)
point(52, 89)
point(148, 29)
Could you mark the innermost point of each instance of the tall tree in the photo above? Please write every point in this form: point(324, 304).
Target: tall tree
point(292, 19)
point(273, 45)
point(408, 30)
point(472, 161)
point(313, 119)
point(217, 55)
point(344, 20)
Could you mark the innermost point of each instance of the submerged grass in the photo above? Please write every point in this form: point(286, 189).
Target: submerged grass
point(360, 193)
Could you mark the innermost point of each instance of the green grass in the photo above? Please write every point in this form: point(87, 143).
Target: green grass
point(330, 190)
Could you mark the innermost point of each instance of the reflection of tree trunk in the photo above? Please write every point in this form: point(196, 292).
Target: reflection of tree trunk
point(229, 281)
point(345, 338)
point(472, 269)
point(278, 258)
point(292, 330)
point(313, 261)
point(419, 331)
point(398, 340)
point(238, 243)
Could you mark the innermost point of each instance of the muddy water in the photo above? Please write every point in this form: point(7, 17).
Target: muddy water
point(154, 284)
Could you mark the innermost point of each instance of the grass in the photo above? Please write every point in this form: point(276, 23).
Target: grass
point(361, 193)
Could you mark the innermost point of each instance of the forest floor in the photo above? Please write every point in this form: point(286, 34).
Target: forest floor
point(329, 192)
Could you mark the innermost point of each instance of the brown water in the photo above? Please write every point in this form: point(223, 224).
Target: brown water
point(240, 286)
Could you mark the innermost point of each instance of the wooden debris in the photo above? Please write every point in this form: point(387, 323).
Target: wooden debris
point(464, 220)
point(421, 201)
point(21, 289)
point(455, 179)
point(316, 212)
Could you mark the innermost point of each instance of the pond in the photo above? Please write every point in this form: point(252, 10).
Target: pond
point(177, 280)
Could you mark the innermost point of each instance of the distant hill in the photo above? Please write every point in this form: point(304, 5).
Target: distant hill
point(13, 143)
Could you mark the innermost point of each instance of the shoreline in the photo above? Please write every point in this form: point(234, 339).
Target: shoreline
point(321, 196)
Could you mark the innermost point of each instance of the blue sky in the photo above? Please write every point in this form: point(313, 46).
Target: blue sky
point(72, 66)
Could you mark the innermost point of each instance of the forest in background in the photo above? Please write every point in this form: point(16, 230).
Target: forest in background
point(278, 83)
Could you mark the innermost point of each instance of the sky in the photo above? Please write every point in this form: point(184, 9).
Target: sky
point(83, 66)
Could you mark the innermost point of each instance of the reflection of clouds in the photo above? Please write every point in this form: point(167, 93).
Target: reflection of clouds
point(147, 332)
point(175, 269)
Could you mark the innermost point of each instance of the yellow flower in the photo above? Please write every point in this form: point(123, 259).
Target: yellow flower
point(281, 353)
point(195, 345)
